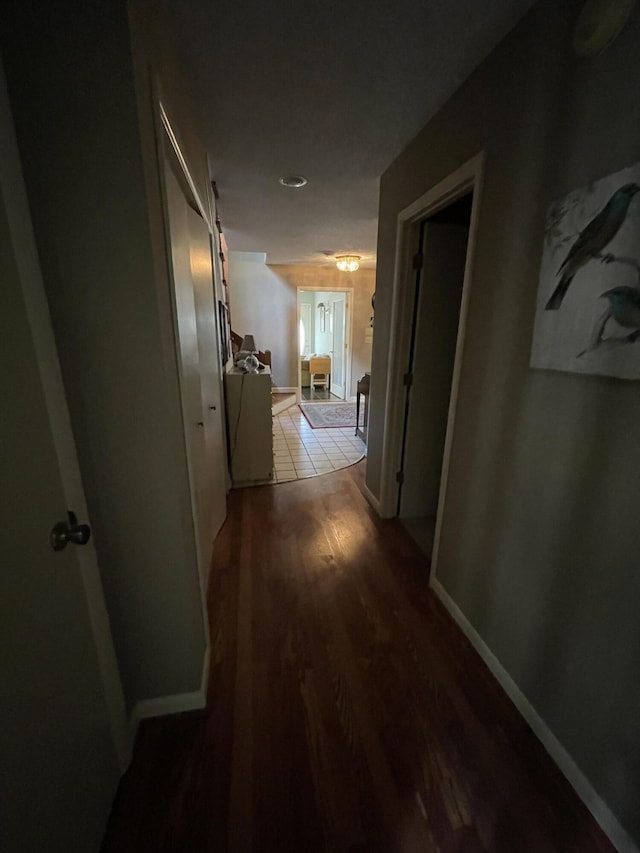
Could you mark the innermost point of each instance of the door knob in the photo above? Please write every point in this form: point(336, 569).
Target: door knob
point(69, 531)
point(212, 408)
point(200, 423)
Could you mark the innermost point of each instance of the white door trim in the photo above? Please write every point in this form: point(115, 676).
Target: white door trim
point(173, 140)
point(26, 253)
point(468, 177)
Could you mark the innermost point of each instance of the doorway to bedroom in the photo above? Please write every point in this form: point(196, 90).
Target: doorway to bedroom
point(324, 345)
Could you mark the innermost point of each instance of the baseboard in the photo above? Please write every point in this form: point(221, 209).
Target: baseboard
point(373, 500)
point(175, 703)
point(287, 390)
point(576, 778)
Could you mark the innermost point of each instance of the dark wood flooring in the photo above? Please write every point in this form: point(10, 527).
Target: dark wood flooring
point(346, 712)
point(323, 394)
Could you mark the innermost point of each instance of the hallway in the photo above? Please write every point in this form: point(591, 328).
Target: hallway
point(346, 712)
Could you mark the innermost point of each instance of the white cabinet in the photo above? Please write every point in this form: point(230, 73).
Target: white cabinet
point(248, 397)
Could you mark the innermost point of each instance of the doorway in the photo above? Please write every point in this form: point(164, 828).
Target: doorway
point(440, 254)
point(324, 333)
point(466, 180)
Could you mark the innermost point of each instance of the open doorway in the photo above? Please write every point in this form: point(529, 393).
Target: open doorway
point(324, 345)
point(440, 260)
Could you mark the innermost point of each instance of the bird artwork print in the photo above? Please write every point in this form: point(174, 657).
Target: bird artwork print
point(624, 308)
point(587, 317)
point(593, 240)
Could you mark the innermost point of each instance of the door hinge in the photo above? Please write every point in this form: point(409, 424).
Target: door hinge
point(407, 379)
point(418, 261)
point(400, 477)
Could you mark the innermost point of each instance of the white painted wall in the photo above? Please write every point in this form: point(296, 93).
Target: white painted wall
point(264, 305)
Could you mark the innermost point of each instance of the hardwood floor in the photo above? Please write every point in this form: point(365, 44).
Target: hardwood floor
point(346, 712)
point(322, 394)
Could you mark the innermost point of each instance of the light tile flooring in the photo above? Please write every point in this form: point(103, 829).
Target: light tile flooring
point(301, 451)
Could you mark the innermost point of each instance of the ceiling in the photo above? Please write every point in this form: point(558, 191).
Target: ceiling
point(330, 90)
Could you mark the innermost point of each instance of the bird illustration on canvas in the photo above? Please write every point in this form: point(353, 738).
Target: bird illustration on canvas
point(624, 308)
point(592, 240)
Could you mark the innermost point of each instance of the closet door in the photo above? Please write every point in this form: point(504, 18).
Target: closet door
point(186, 328)
point(214, 486)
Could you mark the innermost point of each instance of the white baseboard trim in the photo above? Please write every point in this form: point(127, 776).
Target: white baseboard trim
point(576, 778)
point(287, 390)
point(373, 500)
point(175, 703)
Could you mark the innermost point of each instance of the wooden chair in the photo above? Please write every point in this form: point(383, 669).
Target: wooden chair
point(320, 371)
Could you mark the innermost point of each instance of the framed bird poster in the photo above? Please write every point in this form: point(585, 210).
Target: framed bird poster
point(588, 311)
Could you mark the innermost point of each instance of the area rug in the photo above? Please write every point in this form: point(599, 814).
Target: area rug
point(327, 415)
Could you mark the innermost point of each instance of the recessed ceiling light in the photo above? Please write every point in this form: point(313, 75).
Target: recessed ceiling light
point(293, 181)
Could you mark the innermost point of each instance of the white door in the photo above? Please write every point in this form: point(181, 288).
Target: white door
point(214, 474)
point(305, 333)
point(60, 697)
point(189, 364)
point(338, 353)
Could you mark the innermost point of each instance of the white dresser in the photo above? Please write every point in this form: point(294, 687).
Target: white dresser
point(248, 398)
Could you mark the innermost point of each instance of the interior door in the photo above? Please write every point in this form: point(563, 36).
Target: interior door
point(189, 365)
point(58, 761)
point(338, 353)
point(437, 314)
point(214, 480)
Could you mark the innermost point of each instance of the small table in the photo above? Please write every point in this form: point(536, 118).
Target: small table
point(363, 390)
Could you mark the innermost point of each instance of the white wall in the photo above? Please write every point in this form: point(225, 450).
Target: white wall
point(264, 305)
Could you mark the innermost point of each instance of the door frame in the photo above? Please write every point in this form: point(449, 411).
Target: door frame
point(467, 178)
point(348, 331)
point(39, 318)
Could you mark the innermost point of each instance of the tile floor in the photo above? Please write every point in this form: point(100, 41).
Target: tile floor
point(301, 451)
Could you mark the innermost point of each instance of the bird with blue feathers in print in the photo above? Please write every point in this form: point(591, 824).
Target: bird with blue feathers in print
point(592, 240)
point(624, 308)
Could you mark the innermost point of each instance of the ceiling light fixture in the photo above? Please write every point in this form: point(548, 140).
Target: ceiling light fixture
point(348, 263)
point(295, 181)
